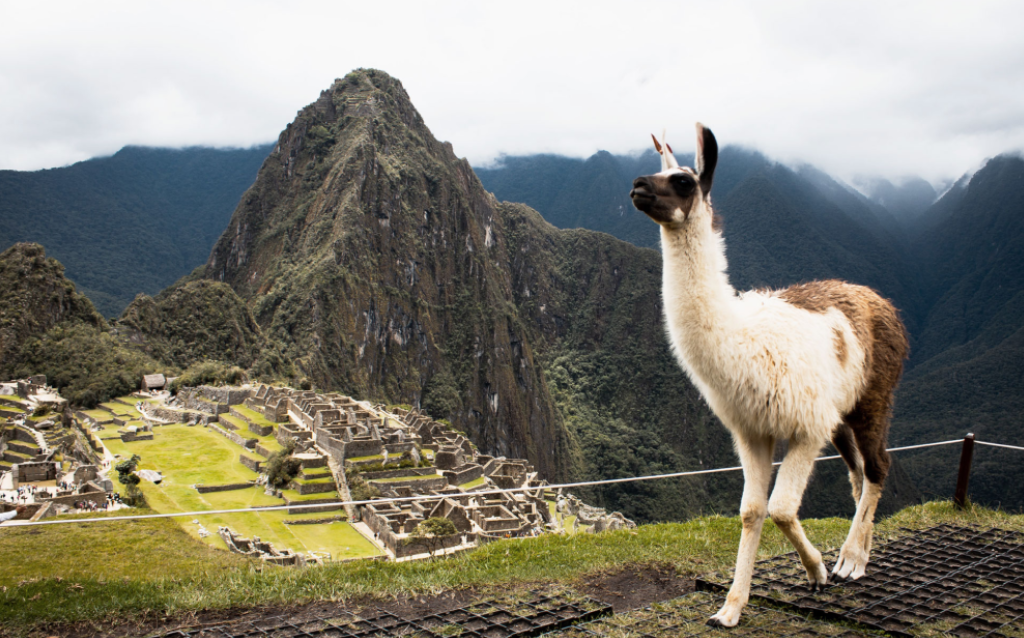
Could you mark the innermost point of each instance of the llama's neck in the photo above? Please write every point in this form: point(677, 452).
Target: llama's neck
point(701, 307)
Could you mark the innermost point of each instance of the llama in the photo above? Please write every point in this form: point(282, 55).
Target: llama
point(808, 364)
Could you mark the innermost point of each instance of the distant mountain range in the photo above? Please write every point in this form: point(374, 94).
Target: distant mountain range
point(367, 258)
point(133, 222)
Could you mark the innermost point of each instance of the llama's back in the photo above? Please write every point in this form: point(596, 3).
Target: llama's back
point(875, 323)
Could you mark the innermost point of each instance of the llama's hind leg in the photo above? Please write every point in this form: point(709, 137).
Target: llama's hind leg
point(846, 445)
point(756, 457)
point(785, 505)
point(856, 551)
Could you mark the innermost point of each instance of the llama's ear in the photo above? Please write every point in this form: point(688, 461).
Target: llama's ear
point(707, 157)
point(668, 160)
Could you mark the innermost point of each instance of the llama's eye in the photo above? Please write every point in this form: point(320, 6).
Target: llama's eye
point(682, 184)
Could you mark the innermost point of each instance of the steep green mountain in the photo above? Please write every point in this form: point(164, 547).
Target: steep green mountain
point(191, 322)
point(133, 222)
point(967, 373)
point(47, 327)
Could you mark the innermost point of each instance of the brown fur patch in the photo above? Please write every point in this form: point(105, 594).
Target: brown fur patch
point(878, 329)
point(840, 345)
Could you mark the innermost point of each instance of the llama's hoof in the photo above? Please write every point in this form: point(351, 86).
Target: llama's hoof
point(724, 619)
point(817, 577)
point(849, 567)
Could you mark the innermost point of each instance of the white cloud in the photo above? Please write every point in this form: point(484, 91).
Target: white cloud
point(870, 87)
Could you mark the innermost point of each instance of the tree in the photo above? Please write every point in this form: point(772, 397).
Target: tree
point(126, 476)
point(282, 467)
point(431, 533)
point(441, 396)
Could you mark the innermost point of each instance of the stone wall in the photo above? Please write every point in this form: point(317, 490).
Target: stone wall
point(256, 429)
point(32, 472)
point(309, 463)
point(100, 498)
point(263, 451)
point(408, 471)
point(248, 444)
point(229, 487)
point(128, 437)
point(313, 488)
point(24, 448)
point(419, 485)
point(262, 430)
point(463, 474)
point(250, 462)
point(403, 549)
point(355, 449)
point(225, 395)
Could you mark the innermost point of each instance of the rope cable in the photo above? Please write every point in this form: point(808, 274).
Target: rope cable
point(436, 497)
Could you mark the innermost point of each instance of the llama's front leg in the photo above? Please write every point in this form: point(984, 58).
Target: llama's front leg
point(856, 551)
point(756, 458)
point(785, 505)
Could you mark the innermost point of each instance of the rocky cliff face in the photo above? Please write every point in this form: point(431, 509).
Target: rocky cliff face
point(377, 260)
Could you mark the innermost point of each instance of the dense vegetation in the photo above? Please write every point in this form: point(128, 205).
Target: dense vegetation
point(46, 327)
point(133, 222)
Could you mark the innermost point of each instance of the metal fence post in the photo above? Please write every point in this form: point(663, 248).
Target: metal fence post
point(964, 477)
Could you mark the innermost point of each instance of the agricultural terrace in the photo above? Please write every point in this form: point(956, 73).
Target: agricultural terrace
point(187, 456)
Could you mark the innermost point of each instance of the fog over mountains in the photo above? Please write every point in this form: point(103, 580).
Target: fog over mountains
point(368, 258)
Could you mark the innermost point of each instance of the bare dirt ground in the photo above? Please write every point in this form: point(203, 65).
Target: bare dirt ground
point(632, 587)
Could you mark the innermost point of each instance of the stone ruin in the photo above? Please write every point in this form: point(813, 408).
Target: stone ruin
point(260, 549)
point(46, 448)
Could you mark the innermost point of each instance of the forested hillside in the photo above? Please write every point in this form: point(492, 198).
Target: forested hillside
point(133, 222)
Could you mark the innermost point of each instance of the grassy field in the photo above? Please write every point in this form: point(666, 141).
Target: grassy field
point(190, 455)
point(154, 567)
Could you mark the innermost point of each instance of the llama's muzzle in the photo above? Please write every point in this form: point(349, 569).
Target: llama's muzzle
point(642, 193)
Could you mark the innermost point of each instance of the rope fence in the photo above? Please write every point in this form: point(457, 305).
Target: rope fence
point(959, 498)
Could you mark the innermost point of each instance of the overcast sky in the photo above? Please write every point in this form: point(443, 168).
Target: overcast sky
point(889, 88)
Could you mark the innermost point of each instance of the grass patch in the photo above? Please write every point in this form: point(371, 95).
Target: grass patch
point(122, 410)
point(167, 571)
point(235, 421)
point(254, 417)
point(166, 576)
point(474, 483)
point(313, 481)
point(98, 415)
point(359, 459)
point(12, 397)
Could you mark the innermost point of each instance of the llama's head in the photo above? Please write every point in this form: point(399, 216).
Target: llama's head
point(677, 196)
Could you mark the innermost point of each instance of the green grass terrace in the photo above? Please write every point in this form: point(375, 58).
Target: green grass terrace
point(187, 456)
point(130, 570)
